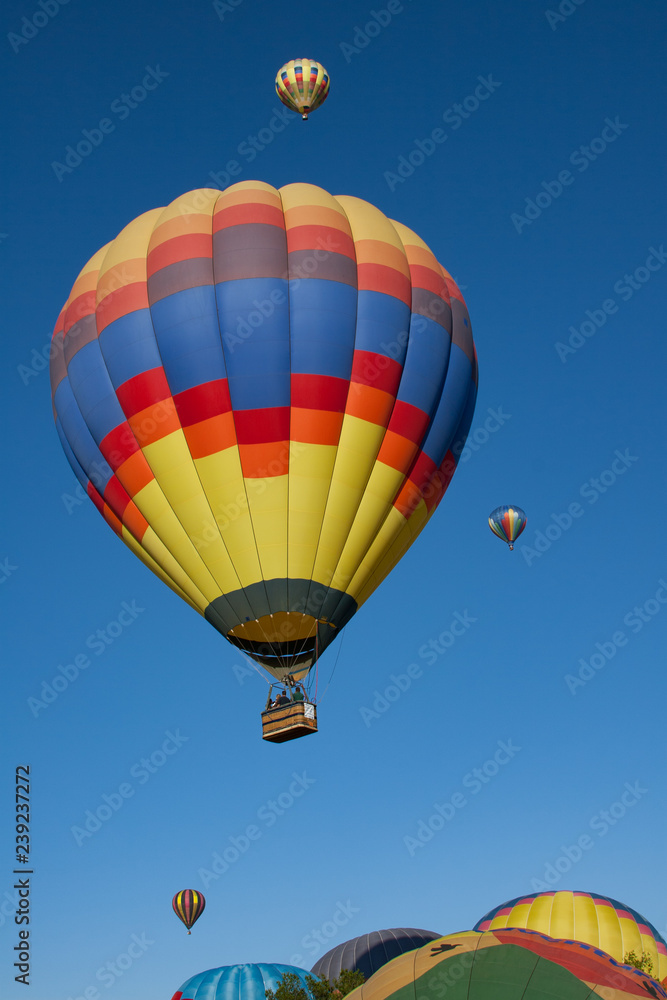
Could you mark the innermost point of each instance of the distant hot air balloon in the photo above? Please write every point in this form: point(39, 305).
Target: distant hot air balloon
point(596, 920)
point(507, 523)
point(188, 906)
point(238, 982)
point(302, 85)
point(506, 965)
point(369, 952)
point(264, 392)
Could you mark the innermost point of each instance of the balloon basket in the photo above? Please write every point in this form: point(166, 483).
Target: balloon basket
point(289, 722)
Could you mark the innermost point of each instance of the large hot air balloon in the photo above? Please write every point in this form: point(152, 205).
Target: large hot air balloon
point(238, 982)
point(584, 916)
point(506, 965)
point(188, 906)
point(369, 952)
point(302, 85)
point(507, 523)
point(264, 393)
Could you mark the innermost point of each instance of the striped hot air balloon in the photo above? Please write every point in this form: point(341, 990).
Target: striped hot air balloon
point(302, 85)
point(596, 920)
point(507, 965)
point(265, 393)
point(188, 906)
point(507, 523)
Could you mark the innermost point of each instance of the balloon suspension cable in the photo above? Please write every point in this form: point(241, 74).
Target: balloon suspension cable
point(298, 650)
point(255, 667)
point(317, 663)
point(340, 646)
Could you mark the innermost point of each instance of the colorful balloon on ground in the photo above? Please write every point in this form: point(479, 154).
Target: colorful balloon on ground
point(507, 523)
point(506, 965)
point(369, 952)
point(264, 392)
point(302, 85)
point(238, 982)
point(596, 920)
point(188, 906)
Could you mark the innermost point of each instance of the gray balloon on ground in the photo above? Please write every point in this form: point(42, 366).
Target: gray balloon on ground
point(369, 952)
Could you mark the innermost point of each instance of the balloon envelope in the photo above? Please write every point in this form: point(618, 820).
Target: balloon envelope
point(237, 982)
point(507, 523)
point(264, 392)
point(506, 965)
point(188, 906)
point(587, 917)
point(302, 85)
point(369, 952)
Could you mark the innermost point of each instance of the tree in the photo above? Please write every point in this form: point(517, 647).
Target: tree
point(642, 962)
point(348, 981)
point(290, 988)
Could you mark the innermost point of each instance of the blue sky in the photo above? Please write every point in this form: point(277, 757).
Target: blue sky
point(565, 129)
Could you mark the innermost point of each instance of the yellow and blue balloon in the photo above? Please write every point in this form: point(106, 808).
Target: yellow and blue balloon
point(265, 393)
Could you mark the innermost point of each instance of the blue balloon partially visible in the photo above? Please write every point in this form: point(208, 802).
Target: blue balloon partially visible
point(238, 982)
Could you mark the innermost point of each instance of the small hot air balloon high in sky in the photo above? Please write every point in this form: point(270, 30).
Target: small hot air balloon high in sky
point(302, 85)
point(507, 523)
point(188, 906)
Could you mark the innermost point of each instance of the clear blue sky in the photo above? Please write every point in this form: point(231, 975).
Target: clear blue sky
point(336, 860)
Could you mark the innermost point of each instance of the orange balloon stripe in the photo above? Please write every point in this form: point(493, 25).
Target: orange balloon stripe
point(180, 248)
